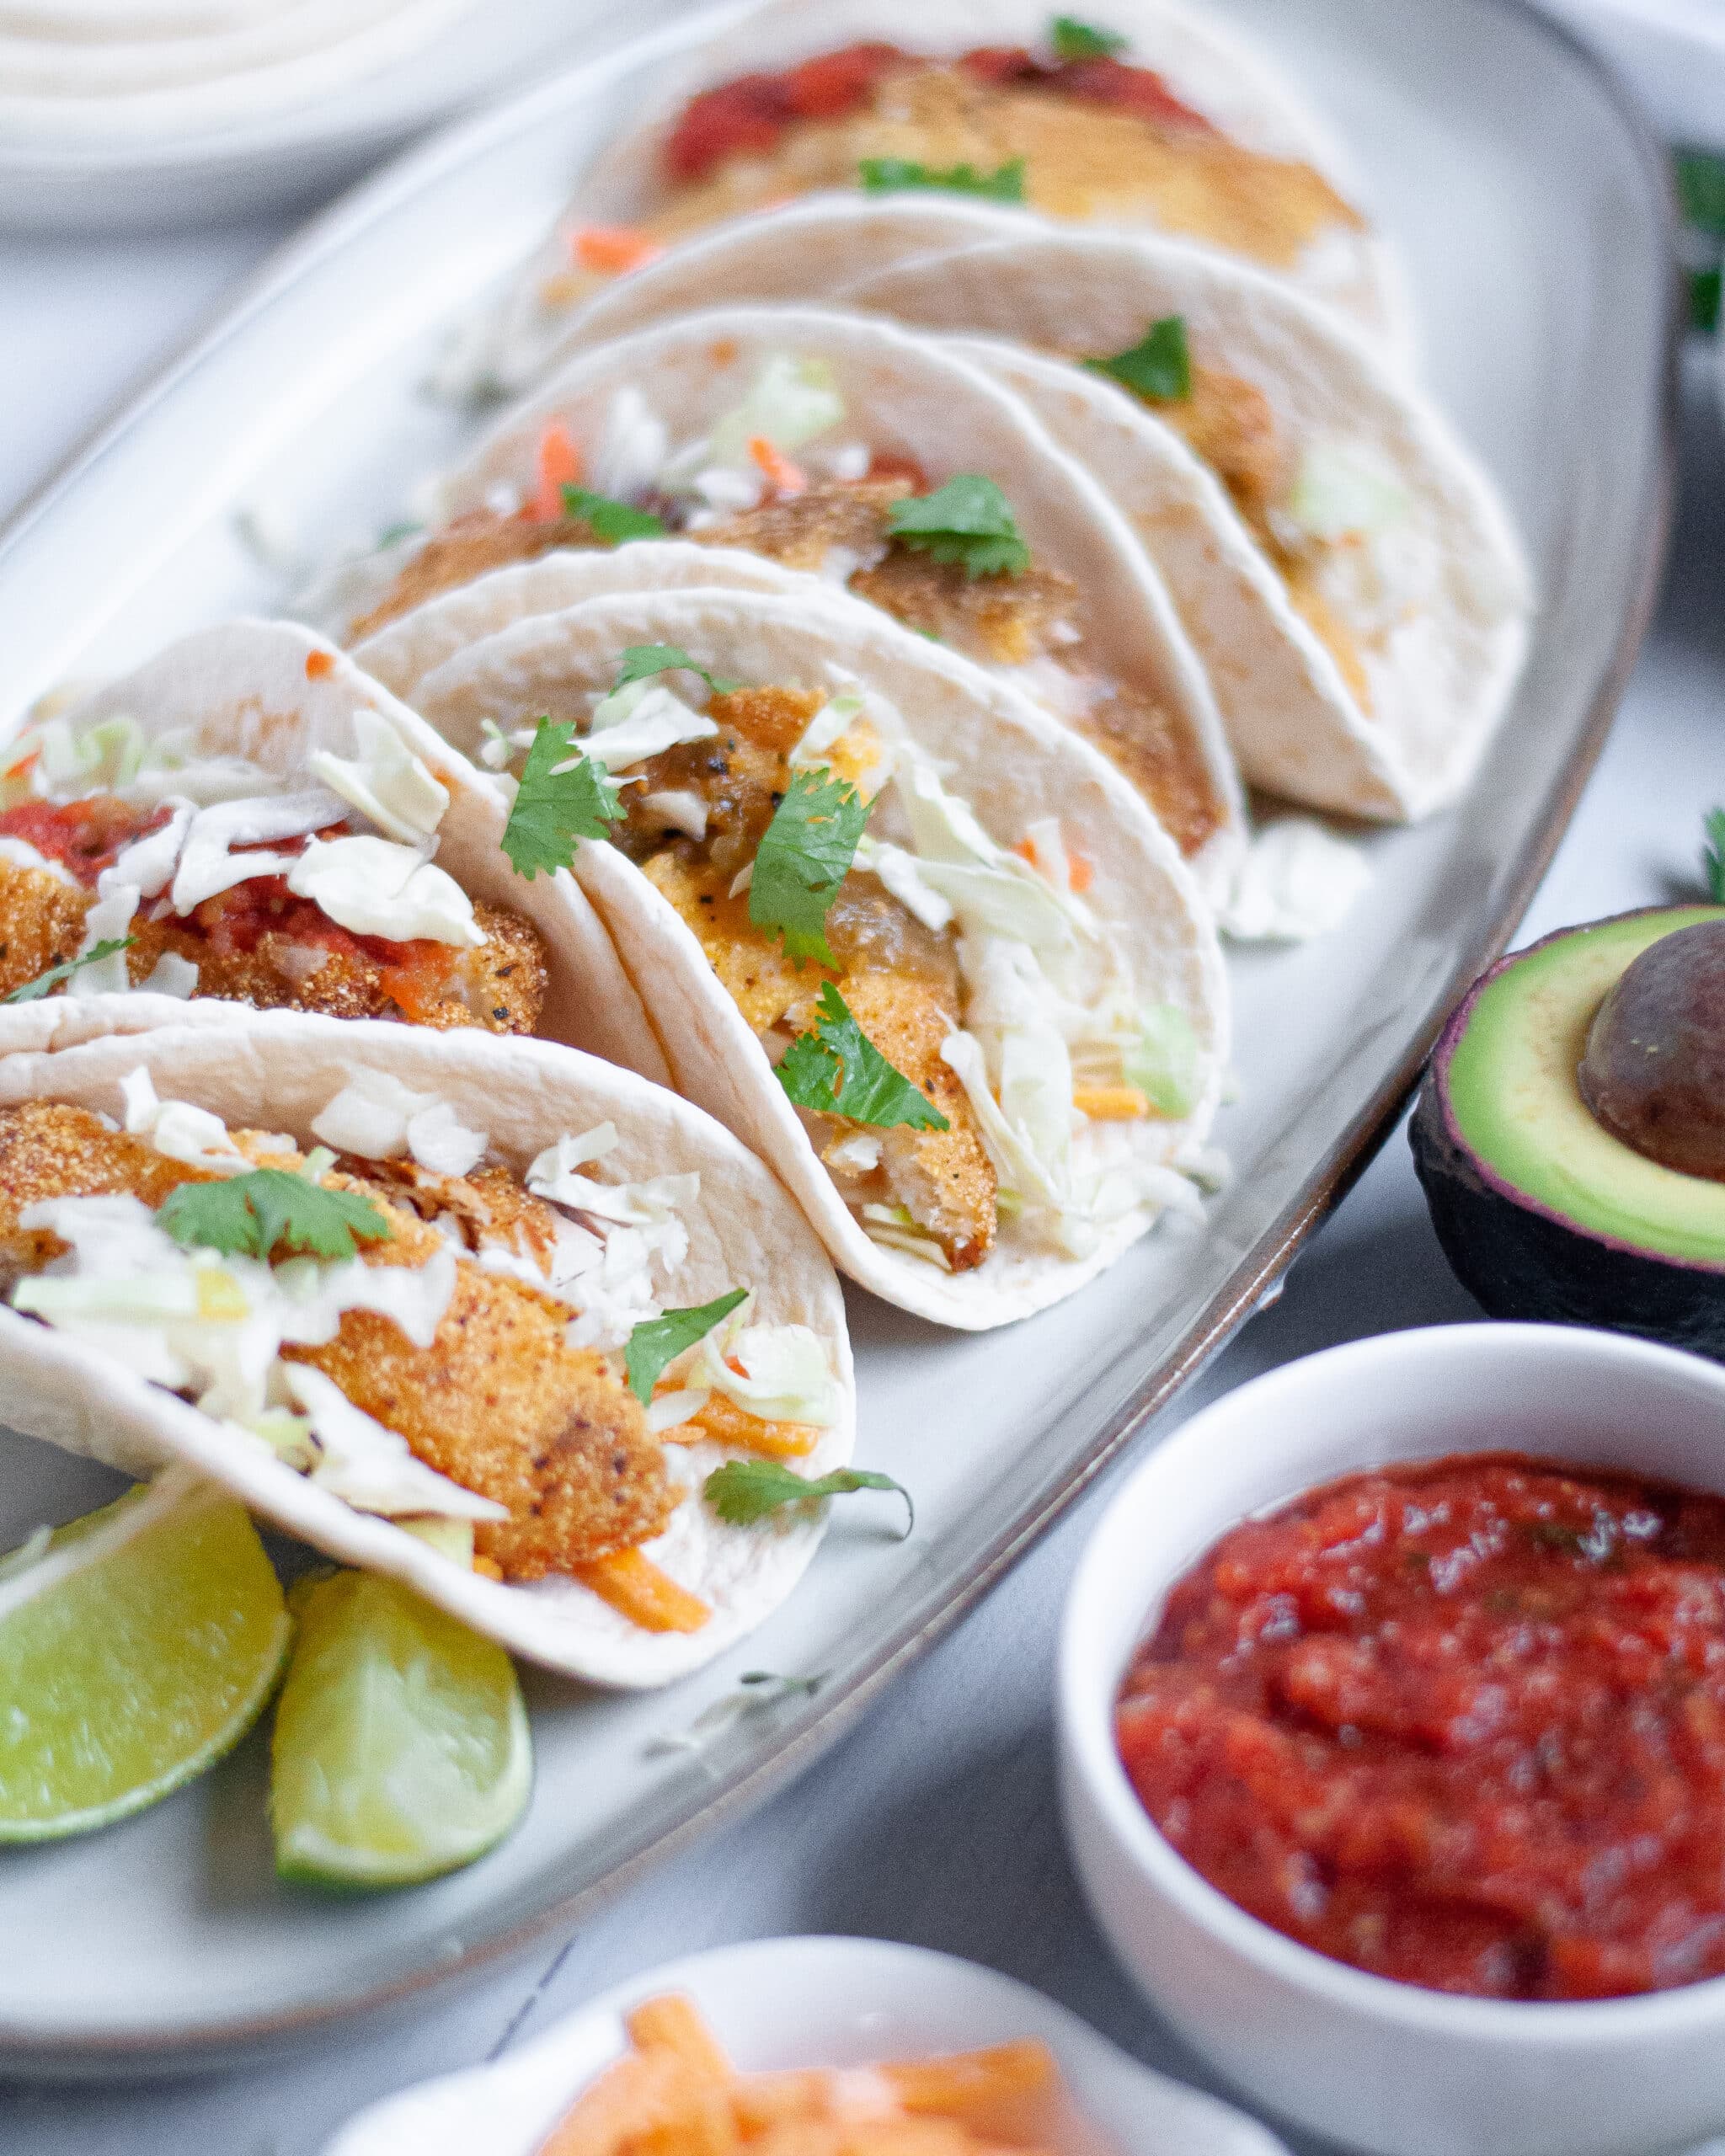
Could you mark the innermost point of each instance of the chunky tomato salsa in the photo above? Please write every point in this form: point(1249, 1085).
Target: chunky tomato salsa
point(1461, 1724)
point(748, 116)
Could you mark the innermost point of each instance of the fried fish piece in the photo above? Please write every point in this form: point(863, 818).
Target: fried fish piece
point(999, 621)
point(41, 922)
point(499, 986)
point(468, 547)
point(499, 1402)
point(900, 984)
point(944, 1179)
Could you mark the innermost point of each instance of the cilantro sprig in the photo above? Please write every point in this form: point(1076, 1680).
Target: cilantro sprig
point(610, 520)
point(900, 175)
point(804, 855)
point(657, 1341)
point(558, 803)
point(838, 1070)
point(640, 662)
point(968, 521)
point(1157, 367)
point(270, 1209)
point(32, 991)
point(1713, 855)
point(745, 1491)
point(1073, 39)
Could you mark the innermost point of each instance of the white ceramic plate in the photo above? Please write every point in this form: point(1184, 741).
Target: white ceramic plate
point(1673, 51)
point(780, 2003)
point(1532, 214)
point(130, 170)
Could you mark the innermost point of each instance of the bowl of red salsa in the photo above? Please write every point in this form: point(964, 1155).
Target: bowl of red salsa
point(1392, 1708)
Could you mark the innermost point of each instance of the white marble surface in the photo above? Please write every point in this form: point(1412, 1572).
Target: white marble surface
point(935, 1823)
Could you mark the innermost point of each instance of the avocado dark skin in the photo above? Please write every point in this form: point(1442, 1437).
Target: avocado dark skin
point(1654, 1070)
point(1528, 1265)
point(1653, 1074)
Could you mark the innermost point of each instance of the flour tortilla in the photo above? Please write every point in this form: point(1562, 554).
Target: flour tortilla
point(804, 251)
point(1456, 584)
point(1295, 726)
point(276, 1070)
point(998, 751)
point(903, 395)
point(1353, 272)
point(245, 689)
point(405, 650)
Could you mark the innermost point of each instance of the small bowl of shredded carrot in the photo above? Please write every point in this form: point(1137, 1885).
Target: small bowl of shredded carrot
point(675, 2092)
point(810, 2047)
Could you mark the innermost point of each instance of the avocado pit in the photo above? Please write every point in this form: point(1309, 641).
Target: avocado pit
point(1654, 1069)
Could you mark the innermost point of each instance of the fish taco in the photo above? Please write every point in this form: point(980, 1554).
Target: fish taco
point(853, 450)
point(1289, 680)
point(1347, 546)
point(248, 819)
point(484, 1315)
point(923, 950)
point(1148, 116)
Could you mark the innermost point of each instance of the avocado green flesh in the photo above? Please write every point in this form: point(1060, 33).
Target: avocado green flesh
point(1515, 1101)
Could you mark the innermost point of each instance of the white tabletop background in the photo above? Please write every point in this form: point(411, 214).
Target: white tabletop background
point(935, 1823)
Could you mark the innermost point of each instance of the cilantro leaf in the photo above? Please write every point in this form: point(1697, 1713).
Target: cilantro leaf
point(392, 534)
point(803, 857)
point(838, 1070)
point(255, 1214)
point(643, 660)
point(1157, 367)
point(1072, 39)
point(895, 175)
point(968, 520)
point(32, 991)
point(1713, 855)
point(612, 521)
point(744, 1491)
point(555, 808)
point(1704, 287)
point(1700, 188)
point(656, 1341)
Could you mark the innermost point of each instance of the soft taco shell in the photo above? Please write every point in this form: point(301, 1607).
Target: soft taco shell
point(404, 651)
point(274, 692)
point(996, 750)
point(276, 1070)
point(1457, 586)
point(1346, 266)
point(905, 396)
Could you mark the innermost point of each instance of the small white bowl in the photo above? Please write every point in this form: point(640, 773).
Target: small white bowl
point(1382, 2066)
point(781, 2002)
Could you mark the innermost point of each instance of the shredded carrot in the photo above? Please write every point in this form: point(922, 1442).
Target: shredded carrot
point(675, 2094)
point(1080, 872)
point(636, 1589)
point(559, 466)
point(608, 250)
point(727, 1424)
point(1111, 1103)
point(639, 2095)
point(318, 663)
point(23, 763)
point(670, 2023)
point(783, 476)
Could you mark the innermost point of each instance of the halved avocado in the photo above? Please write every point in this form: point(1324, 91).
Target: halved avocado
point(1542, 1210)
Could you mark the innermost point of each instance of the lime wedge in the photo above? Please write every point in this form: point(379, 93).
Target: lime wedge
point(135, 1651)
point(401, 1748)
